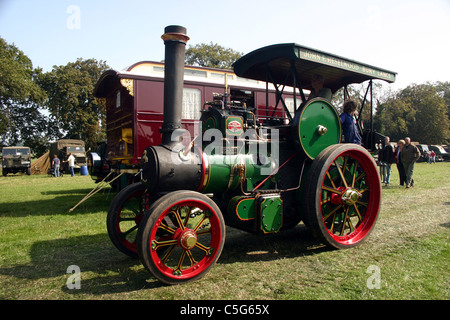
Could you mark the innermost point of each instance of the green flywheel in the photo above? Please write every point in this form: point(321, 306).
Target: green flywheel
point(319, 126)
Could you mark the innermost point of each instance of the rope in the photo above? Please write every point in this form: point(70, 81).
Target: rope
point(97, 188)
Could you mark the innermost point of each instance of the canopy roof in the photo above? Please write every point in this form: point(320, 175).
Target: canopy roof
point(276, 64)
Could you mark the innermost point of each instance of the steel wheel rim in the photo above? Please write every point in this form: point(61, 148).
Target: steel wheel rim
point(173, 249)
point(350, 197)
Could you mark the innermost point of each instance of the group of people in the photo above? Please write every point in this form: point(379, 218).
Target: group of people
point(56, 164)
point(405, 155)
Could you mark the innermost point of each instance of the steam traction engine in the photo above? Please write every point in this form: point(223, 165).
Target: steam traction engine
point(258, 173)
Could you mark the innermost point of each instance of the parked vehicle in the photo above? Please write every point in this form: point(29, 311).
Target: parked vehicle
point(16, 159)
point(62, 148)
point(441, 154)
point(423, 148)
point(262, 173)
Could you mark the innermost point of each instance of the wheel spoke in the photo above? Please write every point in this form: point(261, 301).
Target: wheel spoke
point(334, 190)
point(331, 180)
point(158, 244)
point(167, 254)
point(166, 228)
point(132, 206)
point(355, 170)
point(188, 215)
point(178, 217)
point(344, 165)
point(357, 212)
point(325, 218)
point(124, 234)
point(202, 247)
point(206, 231)
point(365, 204)
point(338, 167)
point(180, 262)
point(191, 258)
point(121, 219)
point(200, 223)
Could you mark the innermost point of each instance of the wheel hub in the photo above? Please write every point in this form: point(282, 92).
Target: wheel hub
point(188, 239)
point(350, 196)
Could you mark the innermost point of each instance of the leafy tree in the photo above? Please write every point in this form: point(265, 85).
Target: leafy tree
point(211, 55)
point(443, 89)
point(431, 123)
point(73, 111)
point(21, 119)
point(419, 111)
point(393, 118)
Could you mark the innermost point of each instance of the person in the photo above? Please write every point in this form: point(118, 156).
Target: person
point(428, 156)
point(433, 156)
point(71, 161)
point(387, 159)
point(318, 91)
point(55, 164)
point(410, 154)
point(349, 129)
point(400, 168)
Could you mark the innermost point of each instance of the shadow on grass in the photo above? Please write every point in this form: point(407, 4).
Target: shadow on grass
point(104, 270)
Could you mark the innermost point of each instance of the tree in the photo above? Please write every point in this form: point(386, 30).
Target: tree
point(21, 120)
point(211, 55)
point(419, 111)
point(73, 111)
point(443, 89)
point(431, 123)
point(393, 118)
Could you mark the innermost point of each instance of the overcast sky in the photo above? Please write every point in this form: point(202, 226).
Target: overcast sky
point(408, 37)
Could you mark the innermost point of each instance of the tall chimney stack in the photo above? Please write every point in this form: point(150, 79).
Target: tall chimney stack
point(175, 39)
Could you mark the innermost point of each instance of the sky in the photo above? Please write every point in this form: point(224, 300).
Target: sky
point(405, 36)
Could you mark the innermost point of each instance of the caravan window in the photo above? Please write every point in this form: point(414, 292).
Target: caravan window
point(191, 103)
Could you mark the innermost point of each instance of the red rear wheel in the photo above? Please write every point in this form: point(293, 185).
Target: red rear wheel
point(343, 195)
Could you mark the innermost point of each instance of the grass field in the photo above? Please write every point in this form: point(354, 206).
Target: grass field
point(405, 257)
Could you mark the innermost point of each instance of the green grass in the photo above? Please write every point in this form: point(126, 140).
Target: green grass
point(40, 239)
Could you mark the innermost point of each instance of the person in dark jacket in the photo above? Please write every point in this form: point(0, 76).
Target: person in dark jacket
point(349, 129)
point(387, 159)
point(398, 153)
point(410, 154)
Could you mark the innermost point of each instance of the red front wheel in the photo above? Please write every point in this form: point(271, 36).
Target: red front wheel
point(181, 237)
point(343, 194)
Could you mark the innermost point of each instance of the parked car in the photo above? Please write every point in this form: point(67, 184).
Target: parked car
point(441, 154)
point(423, 148)
point(16, 159)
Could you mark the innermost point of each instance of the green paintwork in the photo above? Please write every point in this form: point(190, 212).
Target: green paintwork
point(271, 213)
point(318, 112)
point(245, 209)
point(224, 173)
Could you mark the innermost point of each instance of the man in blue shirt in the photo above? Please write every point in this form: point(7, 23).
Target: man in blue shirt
point(55, 164)
point(349, 129)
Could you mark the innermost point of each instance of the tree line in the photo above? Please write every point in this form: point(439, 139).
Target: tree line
point(39, 107)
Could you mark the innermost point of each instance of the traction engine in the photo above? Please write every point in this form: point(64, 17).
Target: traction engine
point(258, 175)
